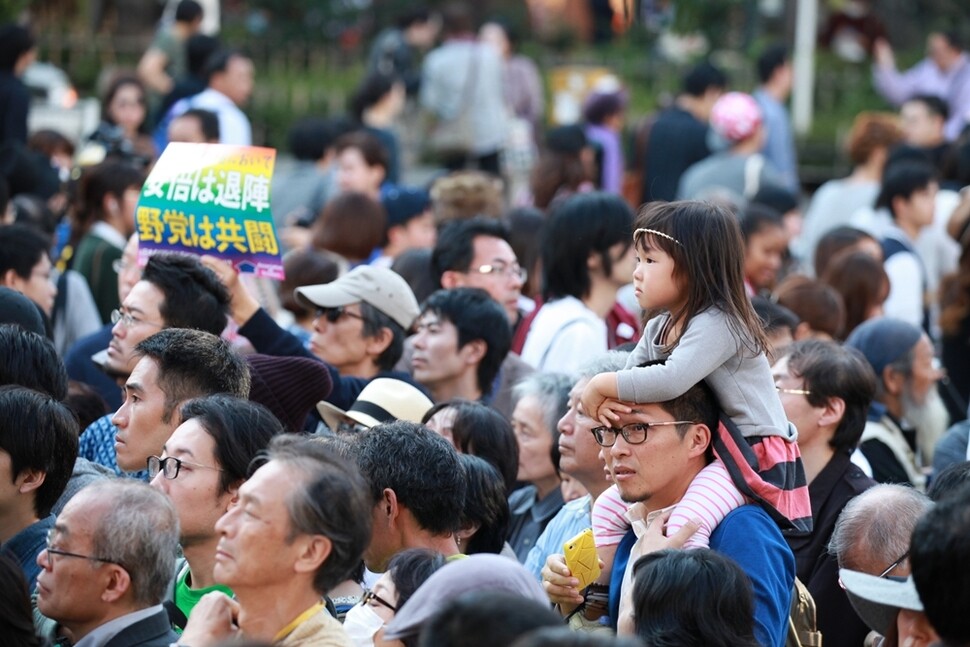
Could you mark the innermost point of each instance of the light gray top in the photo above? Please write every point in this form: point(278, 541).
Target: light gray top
point(707, 350)
point(447, 69)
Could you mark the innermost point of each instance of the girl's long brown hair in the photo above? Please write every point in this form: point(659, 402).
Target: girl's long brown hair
point(708, 259)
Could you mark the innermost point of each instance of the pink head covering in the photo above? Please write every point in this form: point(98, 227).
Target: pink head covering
point(735, 116)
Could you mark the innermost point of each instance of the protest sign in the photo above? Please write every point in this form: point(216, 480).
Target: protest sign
point(211, 199)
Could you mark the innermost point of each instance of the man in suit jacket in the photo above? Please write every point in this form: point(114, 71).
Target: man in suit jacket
point(107, 565)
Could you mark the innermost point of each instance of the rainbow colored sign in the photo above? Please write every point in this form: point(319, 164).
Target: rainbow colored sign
point(211, 199)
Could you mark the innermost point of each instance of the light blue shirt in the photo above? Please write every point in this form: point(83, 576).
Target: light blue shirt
point(573, 518)
point(779, 148)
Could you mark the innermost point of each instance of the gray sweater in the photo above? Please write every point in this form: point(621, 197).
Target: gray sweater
point(708, 350)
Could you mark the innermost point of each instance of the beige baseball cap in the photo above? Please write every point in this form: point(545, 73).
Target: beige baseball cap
point(384, 399)
point(382, 288)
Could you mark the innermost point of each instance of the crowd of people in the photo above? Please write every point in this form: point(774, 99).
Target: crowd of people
point(554, 397)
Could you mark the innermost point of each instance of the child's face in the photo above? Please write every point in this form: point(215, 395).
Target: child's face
point(655, 285)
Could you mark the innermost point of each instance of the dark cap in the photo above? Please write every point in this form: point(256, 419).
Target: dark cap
point(402, 204)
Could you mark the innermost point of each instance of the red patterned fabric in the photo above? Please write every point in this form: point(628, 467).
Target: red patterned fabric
point(769, 470)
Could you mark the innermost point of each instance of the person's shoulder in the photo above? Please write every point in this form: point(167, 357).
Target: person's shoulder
point(746, 522)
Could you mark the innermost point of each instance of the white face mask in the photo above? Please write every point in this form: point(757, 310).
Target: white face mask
point(361, 624)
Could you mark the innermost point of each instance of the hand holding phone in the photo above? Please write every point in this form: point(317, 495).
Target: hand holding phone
point(581, 558)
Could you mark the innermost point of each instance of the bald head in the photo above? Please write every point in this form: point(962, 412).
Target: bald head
point(873, 532)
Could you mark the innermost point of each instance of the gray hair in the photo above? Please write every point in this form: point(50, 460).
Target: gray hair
point(552, 392)
point(333, 501)
point(139, 531)
point(614, 360)
point(879, 522)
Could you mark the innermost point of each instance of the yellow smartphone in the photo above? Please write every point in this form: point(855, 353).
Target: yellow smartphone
point(581, 558)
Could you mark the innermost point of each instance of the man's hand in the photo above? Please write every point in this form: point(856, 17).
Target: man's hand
point(882, 52)
point(242, 304)
point(213, 621)
point(560, 585)
point(654, 539)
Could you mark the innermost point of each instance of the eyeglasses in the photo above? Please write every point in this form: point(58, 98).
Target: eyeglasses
point(895, 564)
point(370, 595)
point(63, 553)
point(333, 315)
point(128, 320)
point(634, 433)
point(170, 466)
point(120, 266)
point(350, 427)
point(514, 271)
point(792, 391)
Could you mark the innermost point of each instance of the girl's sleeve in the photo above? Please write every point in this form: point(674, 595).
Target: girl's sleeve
point(609, 523)
point(706, 344)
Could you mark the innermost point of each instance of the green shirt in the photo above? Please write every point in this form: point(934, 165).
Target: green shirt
point(186, 598)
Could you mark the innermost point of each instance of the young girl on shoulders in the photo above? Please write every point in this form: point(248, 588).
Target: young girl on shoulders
point(689, 278)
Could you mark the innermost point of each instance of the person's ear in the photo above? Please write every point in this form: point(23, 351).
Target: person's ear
point(29, 480)
point(314, 554)
point(698, 440)
point(389, 506)
point(10, 279)
point(474, 351)
point(118, 583)
point(377, 344)
point(893, 380)
point(451, 279)
point(802, 331)
point(233, 493)
point(833, 411)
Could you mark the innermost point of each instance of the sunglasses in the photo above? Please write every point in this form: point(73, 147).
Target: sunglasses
point(333, 315)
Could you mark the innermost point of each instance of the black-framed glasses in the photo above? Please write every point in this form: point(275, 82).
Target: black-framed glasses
point(170, 466)
point(370, 595)
point(513, 271)
point(333, 315)
point(63, 553)
point(634, 433)
point(895, 564)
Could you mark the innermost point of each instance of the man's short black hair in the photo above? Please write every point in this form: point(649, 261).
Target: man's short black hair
point(208, 122)
point(21, 248)
point(834, 371)
point(29, 360)
point(218, 62)
point(194, 296)
point(188, 11)
point(192, 364)
point(698, 404)
point(901, 180)
point(240, 430)
point(198, 49)
point(420, 466)
point(470, 620)
point(703, 77)
point(38, 433)
point(310, 138)
point(585, 224)
point(934, 105)
point(939, 555)
point(476, 315)
point(774, 57)
point(413, 16)
point(455, 247)
point(15, 41)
